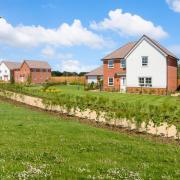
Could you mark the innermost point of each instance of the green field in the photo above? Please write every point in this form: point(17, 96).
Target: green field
point(37, 145)
point(130, 98)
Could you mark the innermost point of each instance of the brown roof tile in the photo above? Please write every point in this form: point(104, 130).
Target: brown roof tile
point(96, 72)
point(37, 64)
point(121, 52)
point(12, 65)
point(165, 50)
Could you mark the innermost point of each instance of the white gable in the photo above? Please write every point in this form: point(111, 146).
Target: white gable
point(4, 72)
point(156, 69)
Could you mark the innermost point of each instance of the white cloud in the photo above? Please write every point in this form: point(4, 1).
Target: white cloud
point(129, 25)
point(174, 5)
point(33, 36)
point(48, 52)
point(72, 65)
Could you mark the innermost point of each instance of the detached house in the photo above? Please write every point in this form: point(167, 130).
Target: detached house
point(95, 75)
point(143, 66)
point(36, 71)
point(7, 69)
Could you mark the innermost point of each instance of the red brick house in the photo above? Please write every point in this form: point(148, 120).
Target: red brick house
point(144, 65)
point(35, 71)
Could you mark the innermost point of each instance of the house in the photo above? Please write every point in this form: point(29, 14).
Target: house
point(7, 69)
point(95, 75)
point(35, 71)
point(142, 66)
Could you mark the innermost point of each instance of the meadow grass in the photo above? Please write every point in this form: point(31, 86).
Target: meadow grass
point(37, 145)
point(129, 98)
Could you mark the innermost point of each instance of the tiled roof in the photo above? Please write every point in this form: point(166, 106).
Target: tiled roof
point(165, 50)
point(96, 72)
point(121, 52)
point(37, 64)
point(124, 50)
point(12, 65)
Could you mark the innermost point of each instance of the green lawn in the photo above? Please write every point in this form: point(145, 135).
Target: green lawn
point(37, 145)
point(149, 99)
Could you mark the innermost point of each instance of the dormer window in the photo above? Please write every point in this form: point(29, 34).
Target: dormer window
point(111, 63)
point(123, 63)
point(144, 61)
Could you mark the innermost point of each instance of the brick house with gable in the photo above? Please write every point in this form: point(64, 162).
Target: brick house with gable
point(38, 72)
point(143, 66)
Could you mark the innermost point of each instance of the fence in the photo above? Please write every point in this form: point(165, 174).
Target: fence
point(69, 79)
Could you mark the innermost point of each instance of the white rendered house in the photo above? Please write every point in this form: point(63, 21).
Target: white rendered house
point(7, 70)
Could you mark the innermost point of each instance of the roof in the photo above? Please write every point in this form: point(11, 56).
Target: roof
point(96, 72)
point(162, 48)
point(121, 52)
point(32, 64)
point(12, 65)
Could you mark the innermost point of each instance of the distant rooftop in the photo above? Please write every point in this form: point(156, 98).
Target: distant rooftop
point(96, 72)
point(33, 64)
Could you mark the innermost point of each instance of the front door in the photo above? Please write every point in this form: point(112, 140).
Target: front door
point(123, 84)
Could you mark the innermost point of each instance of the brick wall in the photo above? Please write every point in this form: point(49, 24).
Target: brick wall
point(144, 90)
point(110, 72)
point(37, 76)
point(172, 74)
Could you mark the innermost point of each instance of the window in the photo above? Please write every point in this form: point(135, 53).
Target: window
point(145, 81)
point(5, 71)
point(34, 74)
point(110, 63)
point(123, 63)
point(0, 71)
point(110, 81)
point(47, 76)
point(144, 61)
point(41, 73)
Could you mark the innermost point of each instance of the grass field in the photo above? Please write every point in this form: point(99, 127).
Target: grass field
point(37, 145)
point(148, 99)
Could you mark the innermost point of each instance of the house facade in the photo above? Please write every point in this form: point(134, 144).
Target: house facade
point(36, 72)
point(7, 69)
point(95, 75)
point(143, 66)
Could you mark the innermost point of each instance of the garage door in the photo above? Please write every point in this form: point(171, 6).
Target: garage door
point(92, 79)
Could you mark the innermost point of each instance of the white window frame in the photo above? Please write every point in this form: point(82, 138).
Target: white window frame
point(123, 63)
point(144, 58)
point(112, 82)
point(147, 82)
point(110, 66)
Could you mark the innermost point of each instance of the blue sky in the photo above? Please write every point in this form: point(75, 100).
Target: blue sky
point(74, 35)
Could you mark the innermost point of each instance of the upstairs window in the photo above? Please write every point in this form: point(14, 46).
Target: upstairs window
point(145, 81)
point(110, 63)
point(123, 63)
point(111, 81)
point(144, 61)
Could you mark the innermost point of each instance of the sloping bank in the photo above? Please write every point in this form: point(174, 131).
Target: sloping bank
point(151, 121)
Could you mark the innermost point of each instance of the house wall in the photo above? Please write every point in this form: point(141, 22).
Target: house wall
point(91, 79)
point(110, 72)
point(4, 71)
point(95, 79)
point(172, 74)
point(39, 76)
point(156, 69)
point(22, 75)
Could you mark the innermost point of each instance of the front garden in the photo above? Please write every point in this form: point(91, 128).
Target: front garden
point(137, 108)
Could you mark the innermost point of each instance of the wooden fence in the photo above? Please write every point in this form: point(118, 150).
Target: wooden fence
point(69, 79)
